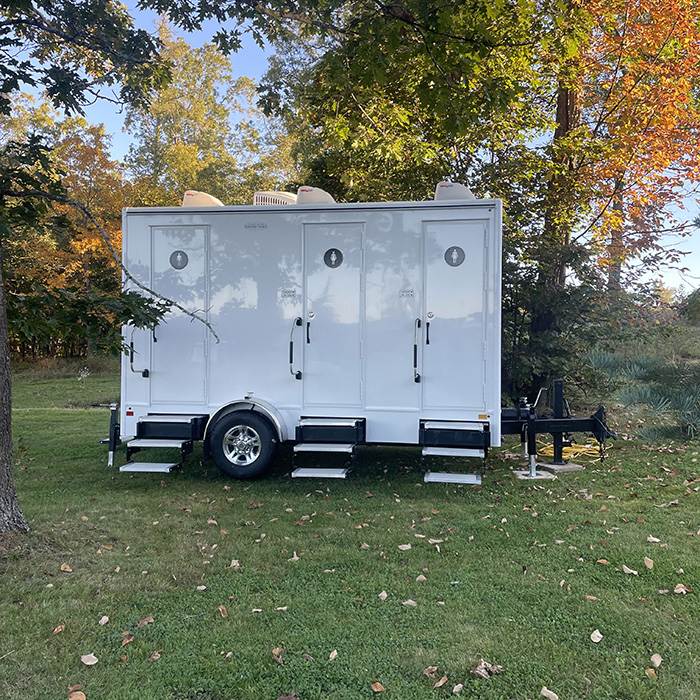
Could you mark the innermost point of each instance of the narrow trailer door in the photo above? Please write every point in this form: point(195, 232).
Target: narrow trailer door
point(454, 351)
point(332, 315)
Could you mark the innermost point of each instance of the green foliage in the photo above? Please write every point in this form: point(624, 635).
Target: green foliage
point(690, 309)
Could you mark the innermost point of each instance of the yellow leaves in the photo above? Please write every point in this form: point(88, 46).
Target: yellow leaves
point(378, 687)
point(66, 567)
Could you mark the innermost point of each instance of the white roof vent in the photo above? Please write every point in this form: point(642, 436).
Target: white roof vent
point(313, 195)
point(193, 198)
point(452, 190)
point(263, 198)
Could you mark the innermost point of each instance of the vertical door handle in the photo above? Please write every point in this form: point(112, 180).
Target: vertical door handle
point(308, 336)
point(427, 333)
point(416, 327)
point(142, 372)
point(297, 322)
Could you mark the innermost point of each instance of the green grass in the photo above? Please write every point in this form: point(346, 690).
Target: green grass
point(508, 582)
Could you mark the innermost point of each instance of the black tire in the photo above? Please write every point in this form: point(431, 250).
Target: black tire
point(243, 444)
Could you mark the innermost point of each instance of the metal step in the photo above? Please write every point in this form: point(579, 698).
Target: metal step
point(308, 472)
point(453, 425)
point(445, 478)
point(170, 418)
point(324, 447)
point(157, 442)
point(453, 452)
point(328, 422)
point(160, 467)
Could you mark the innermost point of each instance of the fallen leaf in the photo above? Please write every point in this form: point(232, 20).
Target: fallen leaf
point(333, 655)
point(651, 538)
point(76, 695)
point(651, 673)
point(128, 639)
point(602, 561)
point(656, 660)
point(596, 636)
point(410, 603)
point(308, 657)
point(277, 655)
point(281, 608)
point(58, 629)
point(591, 597)
point(549, 694)
point(649, 563)
point(383, 595)
point(256, 610)
point(378, 687)
point(404, 547)
point(155, 655)
point(235, 565)
point(484, 668)
point(294, 558)
point(103, 620)
point(75, 686)
point(223, 611)
point(457, 689)
point(89, 659)
point(627, 570)
point(420, 578)
point(432, 541)
point(430, 671)
point(440, 683)
point(145, 621)
point(682, 588)
point(66, 567)
point(364, 546)
point(201, 588)
point(211, 521)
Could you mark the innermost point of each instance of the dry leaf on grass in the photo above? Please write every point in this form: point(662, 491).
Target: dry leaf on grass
point(440, 683)
point(651, 673)
point(383, 595)
point(145, 621)
point(128, 638)
point(89, 659)
point(682, 588)
point(596, 636)
point(404, 547)
point(223, 611)
point(656, 660)
point(103, 620)
point(333, 655)
point(410, 603)
point(235, 565)
point(308, 657)
point(364, 546)
point(201, 588)
point(59, 629)
point(277, 655)
point(291, 696)
point(155, 655)
point(549, 694)
point(651, 538)
point(294, 558)
point(76, 695)
point(211, 521)
point(649, 563)
point(66, 567)
point(457, 689)
point(420, 578)
point(378, 687)
point(627, 570)
point(281, 608)
point(484, 668)
point(430, 671)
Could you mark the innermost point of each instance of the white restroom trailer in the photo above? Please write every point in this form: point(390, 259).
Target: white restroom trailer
point(337, 325)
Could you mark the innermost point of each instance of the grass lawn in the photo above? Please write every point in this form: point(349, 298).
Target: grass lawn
point(517, 573)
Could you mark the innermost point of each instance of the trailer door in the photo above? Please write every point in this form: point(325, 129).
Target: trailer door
point(332, 315)
point(454, 322)
point(179, 342)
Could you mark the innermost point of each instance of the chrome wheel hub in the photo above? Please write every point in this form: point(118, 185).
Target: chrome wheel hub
point(242, 445)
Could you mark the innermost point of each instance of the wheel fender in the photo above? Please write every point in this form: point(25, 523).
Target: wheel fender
point(260, 406)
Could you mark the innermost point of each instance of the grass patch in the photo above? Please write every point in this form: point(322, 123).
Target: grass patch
point(510, 575)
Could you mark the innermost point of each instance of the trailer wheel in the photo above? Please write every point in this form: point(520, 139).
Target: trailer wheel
point(242, 444)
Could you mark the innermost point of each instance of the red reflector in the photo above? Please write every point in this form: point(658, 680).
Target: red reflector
point(129, 413)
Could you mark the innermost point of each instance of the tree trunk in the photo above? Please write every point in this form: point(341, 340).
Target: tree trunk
point(11, 518)
point(616, 248)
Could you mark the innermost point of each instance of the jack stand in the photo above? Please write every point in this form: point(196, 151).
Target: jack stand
point(558, 465)
point(532, 473)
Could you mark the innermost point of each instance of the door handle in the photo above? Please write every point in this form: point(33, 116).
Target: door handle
point(142, 372)
point(427, 333)
point(297, 374)
point(308, 335)
point(416, 327)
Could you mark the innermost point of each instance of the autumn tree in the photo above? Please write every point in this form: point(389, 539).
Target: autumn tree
point(75, 50)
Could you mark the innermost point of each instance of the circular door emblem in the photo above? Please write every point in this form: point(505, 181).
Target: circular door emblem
point(454, 256)
point(333, 257)
point(179, 259)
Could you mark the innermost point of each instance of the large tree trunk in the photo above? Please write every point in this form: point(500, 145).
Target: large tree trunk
point(11, 518)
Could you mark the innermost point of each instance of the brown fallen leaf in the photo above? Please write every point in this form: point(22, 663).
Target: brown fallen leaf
point(649, 563)
point(596, 636)
point(440, 683)
point(291, 696)
point(627, 570)
point(549, 694)
point(59, 629)
point(66, 567)
point(211, 521)
point(333, 655)
point(404, 547)
point(155, 655)
point(682, 588)
point(420, 578)
point(76, 695)
point(127, 639)
point(484, 668)
point(651, 538)
point(430, 671)
point(223, 611)
point(457, 689)
point(308, 657)
point(591, 597)
point(277, 655)
point(281, 608)
point(656, 660)
point(410, 603)
point(89, 659)
point(201, 588)
point(651, 673)
point(103, 621)
point(145, 621)
point(235, 565)
point(294, 558)
point(383, 595)
point(378, 687)
point(602, 561)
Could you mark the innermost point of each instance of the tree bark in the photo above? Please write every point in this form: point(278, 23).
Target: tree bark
point(11, 518)
point(616, 247)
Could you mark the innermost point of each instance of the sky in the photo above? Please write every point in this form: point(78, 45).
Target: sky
point(251, 61)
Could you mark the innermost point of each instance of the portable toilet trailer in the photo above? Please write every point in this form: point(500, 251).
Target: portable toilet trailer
point(334, 325)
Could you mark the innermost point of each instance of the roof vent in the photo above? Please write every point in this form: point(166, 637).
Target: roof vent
point(263, 198)
point(193, 198)
point(452, 190)
point(313, 195)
